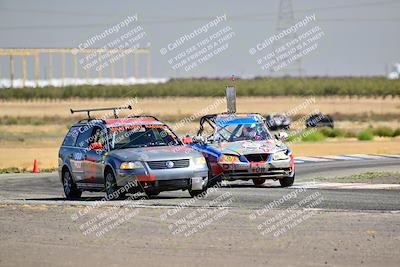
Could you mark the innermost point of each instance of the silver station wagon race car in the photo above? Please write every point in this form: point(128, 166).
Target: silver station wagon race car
point(124, 155)
point(240, 147)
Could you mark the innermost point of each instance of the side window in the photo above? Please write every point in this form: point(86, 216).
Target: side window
point(208, 131)
point(71, 136)
point(84, 137)
point(98, 136)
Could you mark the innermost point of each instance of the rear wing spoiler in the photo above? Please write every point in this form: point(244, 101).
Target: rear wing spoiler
point(115, 109)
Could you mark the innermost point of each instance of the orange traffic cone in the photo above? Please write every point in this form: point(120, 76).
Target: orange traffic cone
point(35, 166)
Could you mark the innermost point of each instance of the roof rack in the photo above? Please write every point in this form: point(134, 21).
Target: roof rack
point(90, 120)
point(115, 109)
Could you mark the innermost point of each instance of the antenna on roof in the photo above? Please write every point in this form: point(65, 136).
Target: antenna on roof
point(115, 109)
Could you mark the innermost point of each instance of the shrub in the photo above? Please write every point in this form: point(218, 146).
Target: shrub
point(365, 135)
point(321, 86)
point(396, 132)
point(313, 137)
point(383, 131)
point(329, 132)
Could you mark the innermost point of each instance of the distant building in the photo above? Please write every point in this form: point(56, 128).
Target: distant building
point(395, 73)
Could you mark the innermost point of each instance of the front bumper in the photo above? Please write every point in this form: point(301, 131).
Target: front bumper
point(269, 170)
point(165, 179)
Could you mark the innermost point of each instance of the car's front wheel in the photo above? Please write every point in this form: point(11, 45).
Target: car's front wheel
point(195, 193)
point(111, 187)
point(70, 189)
point(287, 181)
point(258, 181)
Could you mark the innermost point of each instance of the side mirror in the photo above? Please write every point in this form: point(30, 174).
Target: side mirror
point(282, 136)
point(187, 139)
point(96, 146)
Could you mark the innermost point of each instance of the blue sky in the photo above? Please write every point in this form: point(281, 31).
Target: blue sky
point(360, 37)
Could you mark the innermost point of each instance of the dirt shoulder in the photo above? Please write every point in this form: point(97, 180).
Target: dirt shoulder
point(366, 177)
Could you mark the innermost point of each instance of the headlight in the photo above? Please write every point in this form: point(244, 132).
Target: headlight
point(131, 165)
point(199, 161)
point(280, 155)
point(228, 159)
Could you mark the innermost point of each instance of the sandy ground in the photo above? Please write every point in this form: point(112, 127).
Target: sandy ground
point(46, 236)
point(184, 105)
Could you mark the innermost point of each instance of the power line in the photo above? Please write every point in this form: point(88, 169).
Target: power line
point(54, 12)
point(77, 26)
point(247, 17)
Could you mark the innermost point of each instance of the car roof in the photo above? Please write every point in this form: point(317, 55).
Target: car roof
point(133, 121)
point(234, 119)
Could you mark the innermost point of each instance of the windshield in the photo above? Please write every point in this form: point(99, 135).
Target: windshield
point(240, 132)
point(133, 136)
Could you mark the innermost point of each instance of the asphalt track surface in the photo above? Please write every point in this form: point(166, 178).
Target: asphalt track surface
point(232, 226)
point(45, 188)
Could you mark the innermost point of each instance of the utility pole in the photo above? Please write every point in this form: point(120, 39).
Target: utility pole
point(285, 20)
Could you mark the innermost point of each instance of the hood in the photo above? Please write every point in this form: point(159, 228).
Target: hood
point(155, 153)
point(250, 147)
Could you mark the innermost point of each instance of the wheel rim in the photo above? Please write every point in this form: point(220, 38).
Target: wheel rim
point(67, 183)
point(109, 183)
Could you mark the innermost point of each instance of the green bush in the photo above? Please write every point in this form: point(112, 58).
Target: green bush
point(340, 86)
point(383, 131)
point(329, 132)
point(396, 132)
point(365, 135)
point(313, 136)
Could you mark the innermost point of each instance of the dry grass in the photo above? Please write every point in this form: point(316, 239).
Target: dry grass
point(347, 147)
point(38, 129)
point(46, 152)
point(22, 157)
point(183, 105)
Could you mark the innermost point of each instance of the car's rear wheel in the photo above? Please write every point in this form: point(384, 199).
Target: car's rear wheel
point(258, 181)
point(213, 180)
point(287, 181)
point(111, 187)
point(151, 193)
point(70, 189)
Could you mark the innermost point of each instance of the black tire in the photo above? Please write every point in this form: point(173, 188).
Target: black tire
point(287, 181)
point(111, 187)
point(70, 189)
point(213, 180)
point(151, 193)
point(195, 193)
point(258, 181)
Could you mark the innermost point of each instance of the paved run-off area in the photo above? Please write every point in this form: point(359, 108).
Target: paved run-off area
point(235, 225)
point(46, 236)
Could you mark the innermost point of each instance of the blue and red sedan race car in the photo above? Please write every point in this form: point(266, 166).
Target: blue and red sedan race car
point(240, 147)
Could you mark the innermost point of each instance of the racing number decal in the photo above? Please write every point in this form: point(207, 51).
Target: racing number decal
point(258, 167)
